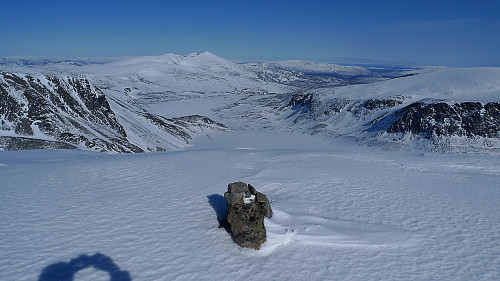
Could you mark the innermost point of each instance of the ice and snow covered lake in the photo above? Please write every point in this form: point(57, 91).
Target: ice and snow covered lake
point(342, 212)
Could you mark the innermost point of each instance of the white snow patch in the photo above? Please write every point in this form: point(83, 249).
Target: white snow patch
point(283, 229)
point(249, 199)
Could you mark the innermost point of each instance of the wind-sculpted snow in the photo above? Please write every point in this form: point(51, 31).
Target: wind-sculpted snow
point(283, 229)
point(341, 212)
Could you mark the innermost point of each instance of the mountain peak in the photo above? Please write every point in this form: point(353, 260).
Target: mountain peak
point(206, 53)
point(204, 59)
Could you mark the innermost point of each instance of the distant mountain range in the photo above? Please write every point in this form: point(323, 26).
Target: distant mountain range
point(155, 103)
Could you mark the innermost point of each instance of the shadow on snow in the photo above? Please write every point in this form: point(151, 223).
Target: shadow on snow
point(218, 202)
point(65, 271)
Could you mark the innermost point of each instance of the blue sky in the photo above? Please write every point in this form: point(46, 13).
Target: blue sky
point(455, 33)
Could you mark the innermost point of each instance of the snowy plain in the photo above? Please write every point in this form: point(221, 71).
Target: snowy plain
point(342, 212)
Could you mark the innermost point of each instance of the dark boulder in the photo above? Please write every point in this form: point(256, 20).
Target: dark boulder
point(246, 209)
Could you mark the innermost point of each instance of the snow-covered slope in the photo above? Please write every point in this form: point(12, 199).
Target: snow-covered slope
point(341, 213)
point(321, 67)
point(143, 98)
point(345, 74)
point(198, 72)
point(45, 111)
point(443, 110)
point(146, 100)
point(45, 106)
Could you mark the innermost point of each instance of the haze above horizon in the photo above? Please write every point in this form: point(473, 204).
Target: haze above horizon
point(449, 33)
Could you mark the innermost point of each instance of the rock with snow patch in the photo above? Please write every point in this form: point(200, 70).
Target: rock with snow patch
point(246, 209)
point(301, 100)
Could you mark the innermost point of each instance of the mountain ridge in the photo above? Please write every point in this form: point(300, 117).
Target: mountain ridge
point(155, 103)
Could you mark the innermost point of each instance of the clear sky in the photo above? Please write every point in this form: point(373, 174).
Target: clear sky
point(421, 32)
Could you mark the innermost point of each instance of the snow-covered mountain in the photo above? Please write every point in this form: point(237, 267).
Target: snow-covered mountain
point(352, 74)
point(138, 104)
point(440, 110)
point(321, 67)
point(133, 104)
point(45, 111)
point(341, 211)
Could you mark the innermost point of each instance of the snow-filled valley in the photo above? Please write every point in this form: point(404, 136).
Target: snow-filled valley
point(341, 212)
point(148, 104)
point(395, 179)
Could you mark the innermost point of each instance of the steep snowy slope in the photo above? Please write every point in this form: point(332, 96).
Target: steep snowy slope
point(46, 111)
point(138, 101)
point(444, 109)
point(145, 101)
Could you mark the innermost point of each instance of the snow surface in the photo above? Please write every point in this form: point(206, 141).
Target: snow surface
point(341, 212)
point(249, 199)
point(255, 96)
point(453, 84)
point(320, 67)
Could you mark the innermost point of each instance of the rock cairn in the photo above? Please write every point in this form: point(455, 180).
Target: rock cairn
point(246, 209)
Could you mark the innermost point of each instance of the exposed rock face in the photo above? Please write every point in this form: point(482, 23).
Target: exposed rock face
point(468, 119)
point(303, 101)
point(71, 111)
point(246, 209)
point(21, 143)
point(393, 122)
point(379, 104)
point(44, 111)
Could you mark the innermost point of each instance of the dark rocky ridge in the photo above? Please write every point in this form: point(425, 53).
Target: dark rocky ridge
point(379, 104)
point(468, 119)
point(300, 100)
point(69, 112)
point(465, 126)
point(20, 143)
point(311, 108)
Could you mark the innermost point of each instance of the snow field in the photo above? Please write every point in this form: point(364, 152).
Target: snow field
point(341, 212)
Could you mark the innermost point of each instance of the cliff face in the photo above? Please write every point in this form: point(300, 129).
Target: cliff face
point(66, 112)
point(432, 124)
point(468, 119)
point(58, 110)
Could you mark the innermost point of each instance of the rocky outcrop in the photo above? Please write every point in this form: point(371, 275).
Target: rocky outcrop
point(300, 101)
point(392, 122)
point(44, 111)
point(379, 104)
point(467, 119)
point(21, 143)
point(246, 209)
point(70, 112)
